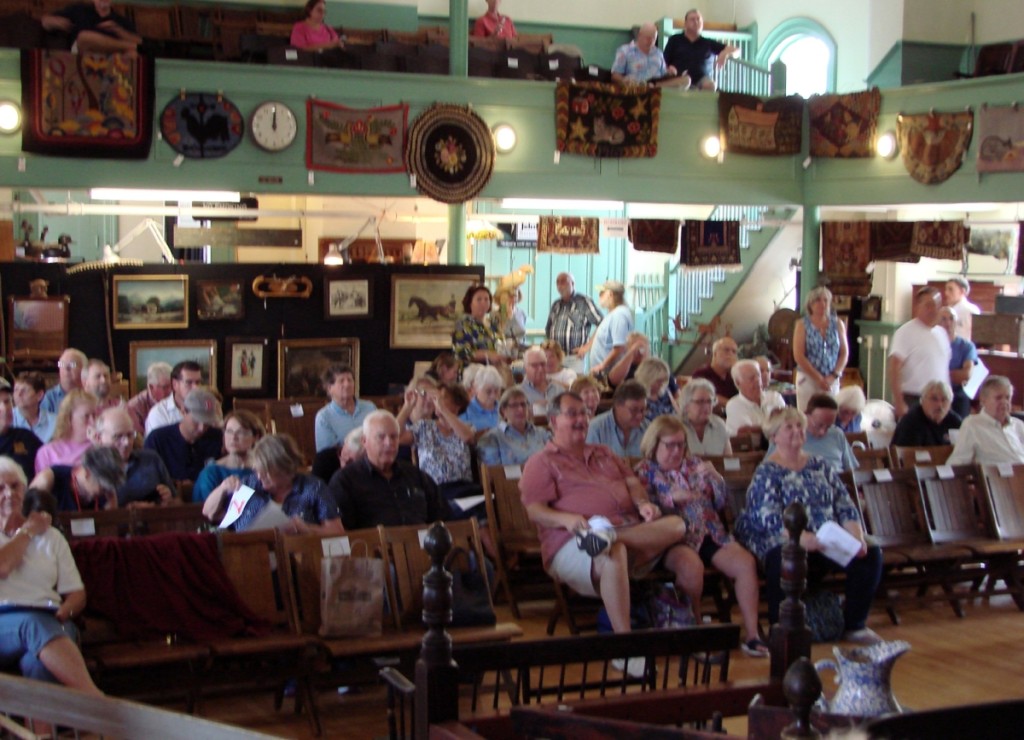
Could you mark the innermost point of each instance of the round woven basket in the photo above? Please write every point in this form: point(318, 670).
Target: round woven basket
point(450, 150)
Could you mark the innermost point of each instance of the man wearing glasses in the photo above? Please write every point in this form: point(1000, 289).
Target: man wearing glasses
point(69, 367)
point(146, 476)
point(158, 387)
point(515, 438)
point(621, 427)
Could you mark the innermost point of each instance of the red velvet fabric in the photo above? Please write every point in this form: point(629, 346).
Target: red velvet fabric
point(164, 584)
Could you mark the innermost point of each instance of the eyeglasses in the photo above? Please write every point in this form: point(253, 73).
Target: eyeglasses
point(68, 365)
point(681, 445)
point(237, 432)
point(701, 401)
point(517, 405)
point(573, 413)
point(125, 437)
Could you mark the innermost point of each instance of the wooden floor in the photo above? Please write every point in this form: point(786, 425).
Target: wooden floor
point(952, 661)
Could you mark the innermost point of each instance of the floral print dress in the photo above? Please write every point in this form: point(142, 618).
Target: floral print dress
point(704, 496)
point(444, 457)
point(471, 335)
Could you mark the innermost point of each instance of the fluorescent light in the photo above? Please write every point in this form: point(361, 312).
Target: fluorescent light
point(160, 196)
point(554, 204)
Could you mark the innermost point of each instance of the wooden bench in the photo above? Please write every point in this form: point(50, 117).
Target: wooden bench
point(131, 522)
point(908, 457)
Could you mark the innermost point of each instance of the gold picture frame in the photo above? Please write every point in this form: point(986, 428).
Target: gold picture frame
point(301, 362)
point(172, 351)
point(150, 301)
point(424, 309)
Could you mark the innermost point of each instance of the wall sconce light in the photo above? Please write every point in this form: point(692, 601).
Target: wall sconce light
point(711, 147)
point(504, 138)
point(10, 117)
point(333, 256)
point(886, 145)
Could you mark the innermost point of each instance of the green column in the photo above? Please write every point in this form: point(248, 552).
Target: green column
point(811, 252)
point(457, 233)
point(458, 38)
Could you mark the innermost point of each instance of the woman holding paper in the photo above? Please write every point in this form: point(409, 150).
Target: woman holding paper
point(305, 506)
point(242, 430)
point(790, 475)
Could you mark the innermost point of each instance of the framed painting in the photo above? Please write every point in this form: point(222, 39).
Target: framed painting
point(37, 328)
point(347, 299)
point(151, 302)
point(172, 351)
point(871, 309)
point(245, 368)
point(424, 309)
point(301, 362)
point(220, 300)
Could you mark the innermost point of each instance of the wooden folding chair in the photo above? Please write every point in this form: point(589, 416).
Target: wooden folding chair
point(908, 457)
point(1004, 491)
point(873, 457)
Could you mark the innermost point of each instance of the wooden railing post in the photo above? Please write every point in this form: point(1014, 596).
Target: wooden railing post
point(802, 687)
point(790, 639)
point(437, 676)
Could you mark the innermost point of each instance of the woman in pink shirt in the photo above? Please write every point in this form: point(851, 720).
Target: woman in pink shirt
point(311, 33)
point(493, 23)
point(71, 432)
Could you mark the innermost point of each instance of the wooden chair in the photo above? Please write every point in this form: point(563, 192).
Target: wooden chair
point(908, 457)
point(251, 560)
point(301, 428)
point(853, 437)
point(559, 66)
point(158, 519)
point(490, 43)
point(411, 38)
point(746, 442)
point(519, 64)
point(738, 464)
point(75, 525)
point(514, 535)
point(873, 457)
point(536, 43)
point(1004, 490)
point(363, 36)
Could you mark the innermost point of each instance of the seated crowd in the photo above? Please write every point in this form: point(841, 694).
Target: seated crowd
point(613, 493)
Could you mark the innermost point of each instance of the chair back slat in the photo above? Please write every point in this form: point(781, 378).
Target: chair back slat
point(512, 520)
point(908, 457)
point(873, 458)
point(251, 561)
point(952, 506)
point(1005, 496)
point(892, 508)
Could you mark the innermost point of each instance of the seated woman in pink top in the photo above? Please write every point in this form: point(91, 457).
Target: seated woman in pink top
point(311, 33)
point(493, 23)
point(71, 431)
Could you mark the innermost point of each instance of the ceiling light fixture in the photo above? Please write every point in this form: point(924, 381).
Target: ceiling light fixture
point(504, 138)
point(162, 196)
point(10, 117)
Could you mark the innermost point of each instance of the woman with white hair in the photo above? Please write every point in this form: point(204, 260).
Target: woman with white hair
point(482, 411)
point(819, 348)
point(851, 403)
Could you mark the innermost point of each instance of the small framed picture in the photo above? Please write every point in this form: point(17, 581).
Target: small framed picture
point(424, 309)
point(301, 362)
point(872, 308)
point(245, 369)
point(842, 303)
point(219, 300)
point(347, 299)
point(150, 301)
point(37, 328)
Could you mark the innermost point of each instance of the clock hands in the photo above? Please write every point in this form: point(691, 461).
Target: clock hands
point(273, 120)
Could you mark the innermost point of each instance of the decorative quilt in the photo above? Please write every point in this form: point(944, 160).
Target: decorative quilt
point(601, 120)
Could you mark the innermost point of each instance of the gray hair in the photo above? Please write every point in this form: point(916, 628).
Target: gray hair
point(851, 397)
point(993, 382)
point(277, 453)
point(938, 385)
point(535, 349)
point(354, 439)
point(8, 466)
point(650, 370)
point(737, 370)
point(375, 416)
point(963, 282)
point(489, 377)
point(694, 385)
point(158, 371)
point(555, 405)
point(781, 417)
point(815, 294)
point(105, 465)
point(509, 395)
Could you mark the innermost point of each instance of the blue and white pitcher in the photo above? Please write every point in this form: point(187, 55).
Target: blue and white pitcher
point(863, 675)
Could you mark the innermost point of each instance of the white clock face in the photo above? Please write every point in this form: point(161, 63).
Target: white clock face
point(273, 126)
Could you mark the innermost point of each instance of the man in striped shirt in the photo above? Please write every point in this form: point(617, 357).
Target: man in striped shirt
point(572, 319)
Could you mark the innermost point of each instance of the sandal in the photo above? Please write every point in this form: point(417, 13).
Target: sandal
point(755, 648)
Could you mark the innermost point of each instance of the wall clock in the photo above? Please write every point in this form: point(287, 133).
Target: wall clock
point(273, 126)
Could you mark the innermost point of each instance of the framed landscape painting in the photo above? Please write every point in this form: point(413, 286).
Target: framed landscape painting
point(301, 362)
point(245, 369)
point(172, 351)
point(424, 309)
point(151, 302)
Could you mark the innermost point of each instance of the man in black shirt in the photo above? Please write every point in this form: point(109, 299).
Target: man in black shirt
point(20, 445)
point(379, 489)
point(695, 55)
point(927, 424)
point(95, 28)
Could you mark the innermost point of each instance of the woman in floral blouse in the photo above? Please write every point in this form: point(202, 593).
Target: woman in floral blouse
point(790, 475)
point(474, 339)
point(693, 489)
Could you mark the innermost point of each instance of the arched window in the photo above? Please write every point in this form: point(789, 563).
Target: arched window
point(809, 53)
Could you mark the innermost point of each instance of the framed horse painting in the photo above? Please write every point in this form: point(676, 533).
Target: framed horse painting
point(424, 309)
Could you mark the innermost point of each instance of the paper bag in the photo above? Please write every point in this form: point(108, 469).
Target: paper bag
point(351, 596)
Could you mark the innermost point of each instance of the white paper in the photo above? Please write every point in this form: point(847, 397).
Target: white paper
point(922, 456)
point(837, 544)
point(83, 527)
point(978, 373)
point(291, 54)
point(945, 472)
point(1005, 470)
point(615, 228)
point(272, 516)
point(235, 506)
point(513, 472)
point(552, 64)
point(882, 475)
point(731, 463)
point(335, 546)
point(422, 535)
point(297, 410)
point(468, 502)
point(513, 63)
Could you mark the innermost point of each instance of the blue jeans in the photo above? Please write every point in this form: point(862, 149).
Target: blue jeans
point(862, 577)
point(24, 632)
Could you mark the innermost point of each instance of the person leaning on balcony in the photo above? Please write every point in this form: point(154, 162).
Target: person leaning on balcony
point(311, 33)
point(640, 61)
point(696, 56)
point(493, 23)
point(95, 28)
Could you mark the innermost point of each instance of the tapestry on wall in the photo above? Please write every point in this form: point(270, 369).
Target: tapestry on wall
point(86, 105)
point(601, 120)
point(568, 235)
point(450, 153)
point(654, 235)
point(750, 125)
point(991, 242)
point(1001, 137)
point(933, 144)
point(845, 254)
point(890, 241)
point(941, 240)
point(202, 125)
point(708, 244)
point(365, 140)
point(844, 125)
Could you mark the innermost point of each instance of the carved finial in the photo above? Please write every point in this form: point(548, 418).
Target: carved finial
point(795, 520)
point(802, 687)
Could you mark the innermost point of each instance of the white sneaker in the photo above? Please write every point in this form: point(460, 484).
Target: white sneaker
point(863, 636)
point(595, 541)
point(634, 666)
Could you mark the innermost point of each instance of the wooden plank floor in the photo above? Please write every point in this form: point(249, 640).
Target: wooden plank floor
point(951, 662)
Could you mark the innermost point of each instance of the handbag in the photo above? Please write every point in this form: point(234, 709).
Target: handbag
point(670, 610)
point(471, 597)
point(824, 615)
point(351, 596)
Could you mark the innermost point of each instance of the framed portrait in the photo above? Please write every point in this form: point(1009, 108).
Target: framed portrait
point(219, 300)
point(245, 366)
point(172, 351)
point(37, 328)
point(301, 362)
point(424, 309)
point(872, 308)
point(842, 303)
point(151, 302)
point(347, 299)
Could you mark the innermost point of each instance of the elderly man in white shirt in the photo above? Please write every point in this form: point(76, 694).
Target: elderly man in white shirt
point(748, 410)
point(991, 436)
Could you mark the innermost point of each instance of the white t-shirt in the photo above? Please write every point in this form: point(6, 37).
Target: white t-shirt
point(163, 414)
point(964, 310)
point(925, 354)
point(47, 571)
point(742, 412)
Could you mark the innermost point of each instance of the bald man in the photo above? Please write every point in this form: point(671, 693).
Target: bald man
point(640, 61)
